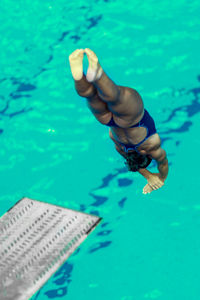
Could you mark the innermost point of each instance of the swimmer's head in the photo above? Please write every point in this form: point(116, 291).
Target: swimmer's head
point(136, 161)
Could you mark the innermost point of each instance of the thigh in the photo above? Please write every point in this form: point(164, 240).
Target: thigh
point(129, 105)
point(99, 109)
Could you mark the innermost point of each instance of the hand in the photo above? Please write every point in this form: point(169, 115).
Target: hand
point(155, 181)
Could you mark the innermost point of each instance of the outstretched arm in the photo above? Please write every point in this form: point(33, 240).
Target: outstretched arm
point(154, 182)
point(160, 156)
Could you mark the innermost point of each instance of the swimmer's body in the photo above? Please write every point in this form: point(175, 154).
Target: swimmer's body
point(105, 99)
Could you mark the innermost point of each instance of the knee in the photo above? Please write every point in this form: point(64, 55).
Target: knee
point(91, 91)
point(112, 96)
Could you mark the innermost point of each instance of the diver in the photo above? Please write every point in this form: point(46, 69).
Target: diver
point(132, 129)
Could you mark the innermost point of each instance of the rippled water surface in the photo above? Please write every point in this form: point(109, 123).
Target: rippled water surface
point(53, 149)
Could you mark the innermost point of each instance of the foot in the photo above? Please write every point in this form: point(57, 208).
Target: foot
point(76, 63)
point(94, 71)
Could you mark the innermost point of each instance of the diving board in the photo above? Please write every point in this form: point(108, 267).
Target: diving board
point(36, 238)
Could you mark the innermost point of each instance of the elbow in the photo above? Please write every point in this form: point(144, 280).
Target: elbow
point(162, 162)
point(163, 159)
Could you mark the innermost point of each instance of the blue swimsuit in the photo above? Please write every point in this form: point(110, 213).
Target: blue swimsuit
point(147, 121)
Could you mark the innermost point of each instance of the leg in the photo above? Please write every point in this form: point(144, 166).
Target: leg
point(87, 89)
point(98, 107)
point(106, 88)
point(125, 102)
point(84, 88)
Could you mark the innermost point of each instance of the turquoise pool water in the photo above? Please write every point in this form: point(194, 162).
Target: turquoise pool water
point(53, 149)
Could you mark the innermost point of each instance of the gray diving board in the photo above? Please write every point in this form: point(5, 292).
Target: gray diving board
point(36, 238)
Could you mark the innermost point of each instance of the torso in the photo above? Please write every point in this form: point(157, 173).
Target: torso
point(127, 135)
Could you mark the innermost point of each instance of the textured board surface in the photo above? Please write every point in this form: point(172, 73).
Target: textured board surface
point(36, 238)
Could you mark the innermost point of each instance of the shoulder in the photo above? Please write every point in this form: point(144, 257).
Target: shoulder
point(155, 151)
point(152, 143)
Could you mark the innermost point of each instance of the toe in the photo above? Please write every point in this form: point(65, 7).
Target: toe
point(76, 51)
point(90, 53)
point(74, 54)
point(88, 50)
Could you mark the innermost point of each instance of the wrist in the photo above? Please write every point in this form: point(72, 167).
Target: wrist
point(162, 177)
point(145, 173)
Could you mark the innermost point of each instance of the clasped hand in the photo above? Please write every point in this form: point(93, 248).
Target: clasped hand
point(155, 181)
